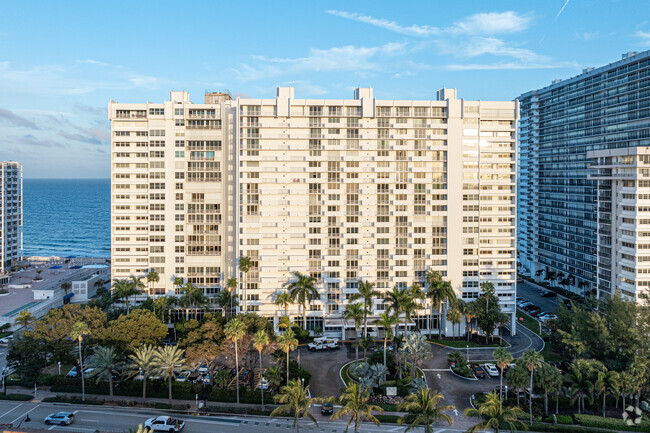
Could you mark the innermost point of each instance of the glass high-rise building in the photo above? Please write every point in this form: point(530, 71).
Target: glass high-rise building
point(562, 129)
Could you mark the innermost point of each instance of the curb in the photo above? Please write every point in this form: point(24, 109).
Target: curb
point(462, 377)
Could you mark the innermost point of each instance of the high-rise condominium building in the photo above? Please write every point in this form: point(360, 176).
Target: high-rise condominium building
point(343, 190)
point(11, 214)
point(564, 228)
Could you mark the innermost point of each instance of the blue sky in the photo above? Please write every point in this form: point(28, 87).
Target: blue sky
point(61, 62)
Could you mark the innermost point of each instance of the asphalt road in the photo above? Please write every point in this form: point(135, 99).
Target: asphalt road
point(532, 294)
point(89, 419)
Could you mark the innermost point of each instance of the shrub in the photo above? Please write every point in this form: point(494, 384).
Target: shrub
point(609, 423)
point(72, 400)
point(298, 371)
point(559, 428)
point(561, 419)
point(387, 419)
point(16, 397)
point(301, 334)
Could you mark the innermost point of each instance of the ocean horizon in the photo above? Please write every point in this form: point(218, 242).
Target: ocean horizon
point(66, 217)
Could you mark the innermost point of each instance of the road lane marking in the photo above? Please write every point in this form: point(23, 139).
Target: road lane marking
point(25, 414)
point(57, 427)
point(7, 413)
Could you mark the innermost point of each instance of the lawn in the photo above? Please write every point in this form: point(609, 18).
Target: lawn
point(5, 334)
point(529, 322)
point(462, 344)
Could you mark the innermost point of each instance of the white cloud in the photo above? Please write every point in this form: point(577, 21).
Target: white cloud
point(492, 23)
point(644, 36)
point(412, 30)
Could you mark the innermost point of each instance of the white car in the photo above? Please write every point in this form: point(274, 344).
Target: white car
point(491, 370)
point(61, 418)
point(547, 317)
point(164, 423)
point(264, 384)
point(182, 377)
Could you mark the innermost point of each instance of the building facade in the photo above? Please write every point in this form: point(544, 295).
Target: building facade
point(600, 109)
point(343, 190)
point(11, 214)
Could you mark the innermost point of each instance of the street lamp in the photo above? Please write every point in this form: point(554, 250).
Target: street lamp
point(59, 368)
point(506, 392)
point(303, 382)
point(468, 353)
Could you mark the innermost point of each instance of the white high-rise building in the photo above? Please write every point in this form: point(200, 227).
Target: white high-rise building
point(343, 190)
point(11, 214)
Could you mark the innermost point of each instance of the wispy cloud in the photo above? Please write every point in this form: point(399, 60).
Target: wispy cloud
point(32, 140)
point(412, 30)
point(346, 58)
point(12, 119)
point(644, 36)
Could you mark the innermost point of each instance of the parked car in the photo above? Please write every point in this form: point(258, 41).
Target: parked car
point(507, 367)
point(61, 418)
point(203, 369)
point(323, 343)
point(530, 307)
point(491, 370)
point(327, 409)
point(478, 371)
point(164, 423)
point(73, 372)
point(536, 313)
point(548, 294)
point(264, 384)
point(183, 377)
point(523, 304)
point(547, 317)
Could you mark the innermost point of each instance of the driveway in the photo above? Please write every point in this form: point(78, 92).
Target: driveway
point(325, 367)
point(532, 293)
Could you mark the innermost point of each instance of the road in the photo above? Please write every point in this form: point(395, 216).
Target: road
point(532, 294)
point(112, 419)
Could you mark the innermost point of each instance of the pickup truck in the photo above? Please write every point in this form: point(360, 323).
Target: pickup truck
point(322, 345)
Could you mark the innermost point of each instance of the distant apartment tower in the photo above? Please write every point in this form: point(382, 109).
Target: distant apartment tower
point(343, 190)
point(563, 127)
point(11, 214)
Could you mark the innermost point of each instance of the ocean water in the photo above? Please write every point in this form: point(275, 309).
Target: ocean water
point(66, 217)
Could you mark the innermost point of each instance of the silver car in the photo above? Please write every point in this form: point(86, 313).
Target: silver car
point(61, 418)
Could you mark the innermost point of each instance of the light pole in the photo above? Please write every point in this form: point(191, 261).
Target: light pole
point(468, 353)
point(302, 379)
point(59, 368)
point(81, 367)
point(506, 392)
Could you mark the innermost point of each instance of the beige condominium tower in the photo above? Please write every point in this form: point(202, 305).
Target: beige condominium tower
point(343, 190)
point(11, 216)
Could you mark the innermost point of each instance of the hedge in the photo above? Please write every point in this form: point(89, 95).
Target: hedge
point(610, 423)
point(388, 419)
point(72, 400)
point(561, 419)
point(235, 410)
point(559, 428)
point(16, 397)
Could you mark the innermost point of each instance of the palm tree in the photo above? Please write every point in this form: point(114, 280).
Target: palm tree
point(245, 265)
point(494, 416)
point(424, 407)
point(260, 341)
point(105, 363)
point(532, 360)
point(152, 277)
point(79, 329)
point(178, 282)
point(235, 330)
point(301, 290)
point(162, 303)
point(227, 300)
point(287, 343)
point(366, 293)
point(283, 300)
point(354, 402)
point(284, 322)
point(193, 295)
point(455, 317)
point(294, 400)
point(136, 286)
point(439, 291)
point(231, 284)
point(354, 312)
point(169, 361)
point(387, 321)
point(66, 287)
point(273, 376)
point(396, 300)
point(549, 379)
point(607, 381)
point(408, 307)
point(469, 310)
point(121, 289)
point(579, 378)
point(25, 319)
point(516, 379)
point(503, 358)
point(143, 363)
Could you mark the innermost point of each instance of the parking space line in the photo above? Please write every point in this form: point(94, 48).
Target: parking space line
point(10, 410)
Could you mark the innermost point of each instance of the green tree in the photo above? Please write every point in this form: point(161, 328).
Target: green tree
point(283, 300)
point(423, 410)
point(354, 312)
point(143, 362)
point(288, 342)
point(503, 358)
point(354, 403)
point(387, 321)
point(607, 382)
point(169, 361)
point(418, 349)
point(235, 331)
point(78, 331)
point(228, 301)
point(260, 341)
point(140, 327)
point(245, 265)
point(438, 292)
point(66, 287)
point(639, 372)
point(274, 376)
point(25, 319)
point(549, 379)
point(27, 356)
point(580, 379)
point(396, 299)
point(532, 361)
point(455, 317)
point(495, 416)
point(302, 290)
point(285, 323)
point(366, 293)
point(152, 277)
point(488, 310)
point(469, 311)
point(203, 344)
point(294, 401)
point(516, 379)
point(105, 362)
